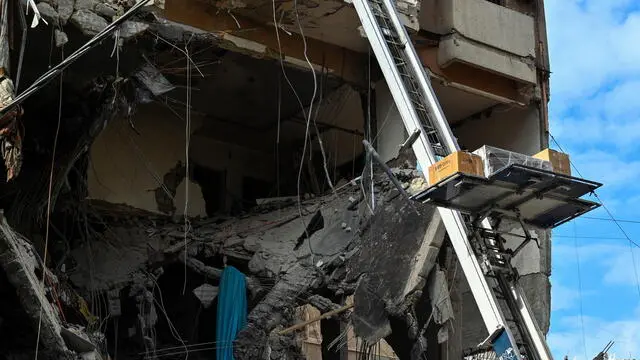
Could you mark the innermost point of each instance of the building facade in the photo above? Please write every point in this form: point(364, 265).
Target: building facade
point(201, 133)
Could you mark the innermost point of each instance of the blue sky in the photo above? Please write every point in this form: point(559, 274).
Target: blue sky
point(595, 116)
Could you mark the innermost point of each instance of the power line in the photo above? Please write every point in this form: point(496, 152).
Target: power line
point(560, 236)
point(593, 237)
point(575, 242)
point(631, 242)
point(613, 220)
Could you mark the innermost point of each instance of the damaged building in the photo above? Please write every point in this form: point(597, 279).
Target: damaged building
point(205, 154)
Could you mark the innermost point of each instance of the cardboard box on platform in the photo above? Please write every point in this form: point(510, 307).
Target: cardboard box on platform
point(559, 161)
point(461, 161)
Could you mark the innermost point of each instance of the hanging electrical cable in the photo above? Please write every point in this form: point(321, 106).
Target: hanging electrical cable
point(624, 233)
point(49, 200)
point(577, 251)
point(187, 136)
point(304, 113)
point(315, 87)
point(609, 219)
point(57, 70)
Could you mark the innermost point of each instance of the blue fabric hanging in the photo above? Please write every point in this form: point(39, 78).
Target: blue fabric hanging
point(232, 311)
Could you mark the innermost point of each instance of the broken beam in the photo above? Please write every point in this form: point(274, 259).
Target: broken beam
point(260, 39)
point(19, 262)
point(318, 318)
point(57, 70)
point(199, 267)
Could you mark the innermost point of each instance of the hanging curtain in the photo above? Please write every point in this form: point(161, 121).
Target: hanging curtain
point(232, 311)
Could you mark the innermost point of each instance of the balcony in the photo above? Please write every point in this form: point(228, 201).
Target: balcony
point(482, 35)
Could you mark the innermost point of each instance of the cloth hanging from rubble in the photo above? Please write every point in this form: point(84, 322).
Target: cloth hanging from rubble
point(232, 311)
point(10, 137)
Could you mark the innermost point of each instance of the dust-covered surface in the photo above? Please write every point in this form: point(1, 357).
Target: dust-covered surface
point(121, 280)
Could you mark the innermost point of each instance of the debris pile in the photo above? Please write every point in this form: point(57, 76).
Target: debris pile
point(93, 279)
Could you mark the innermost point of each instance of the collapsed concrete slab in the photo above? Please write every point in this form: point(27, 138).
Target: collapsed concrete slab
point(20, 263)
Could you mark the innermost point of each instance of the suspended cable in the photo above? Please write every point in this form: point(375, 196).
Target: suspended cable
point(631, 242)
point(306, 133)
point(577, 251)
point(51, 74)
point(373, 197)
point(609, 219)
point(187, 134)
point(315, 86)
point(49, 196)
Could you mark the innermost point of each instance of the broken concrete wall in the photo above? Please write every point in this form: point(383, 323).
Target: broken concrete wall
point(130, 160)
point(511, 128)
point(342, 109)
point(390, 128)
point(131, 157)
point(19, 261)
point(400, 250)
point(313, 339)
point(235, 162)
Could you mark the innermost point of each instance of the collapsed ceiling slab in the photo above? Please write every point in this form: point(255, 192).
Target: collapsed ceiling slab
point(139, 269)
point(19, 261)
point(331, 21)
point(243, 33)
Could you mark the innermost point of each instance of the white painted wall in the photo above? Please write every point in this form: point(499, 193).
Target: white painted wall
point(516, 129)
point(126, 167)
point(348, 114)
point(391, 132)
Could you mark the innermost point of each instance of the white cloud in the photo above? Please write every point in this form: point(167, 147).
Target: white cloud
point(597, 333)
point(614, 258)
point(595, 115)
point(610, 118)
point(590, 43)
point(563, 297)
point(595, 80)
point(624, 268)
point(612, 169)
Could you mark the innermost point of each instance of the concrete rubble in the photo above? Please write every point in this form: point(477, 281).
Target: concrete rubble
point(133, 282)
point(19, 262)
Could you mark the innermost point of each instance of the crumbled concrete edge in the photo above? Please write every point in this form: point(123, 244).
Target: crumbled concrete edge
point(89, 16)
point(19, 262)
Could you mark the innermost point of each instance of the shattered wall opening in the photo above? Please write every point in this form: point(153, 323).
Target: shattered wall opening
point(164, 118)
point(246, 126)
point(124, 157)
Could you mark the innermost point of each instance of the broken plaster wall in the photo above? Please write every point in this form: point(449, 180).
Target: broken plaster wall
point(390, 128)
point(128, 163)
point(312, 338)
point(344, 109)
point(507, 127)
point(235, 161)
